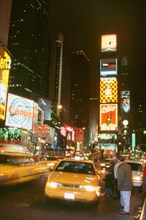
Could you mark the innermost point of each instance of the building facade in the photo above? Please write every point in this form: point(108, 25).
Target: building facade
point(30, 48)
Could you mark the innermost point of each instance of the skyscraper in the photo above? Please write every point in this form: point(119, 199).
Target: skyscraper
point(56, 71)
point(30, 47)
point(79, 102)
point(60, 71)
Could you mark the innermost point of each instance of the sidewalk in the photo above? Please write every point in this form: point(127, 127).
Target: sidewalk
point(112, 207)
point(137, 201)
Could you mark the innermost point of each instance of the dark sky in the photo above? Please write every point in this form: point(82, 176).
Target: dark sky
point(83, 21)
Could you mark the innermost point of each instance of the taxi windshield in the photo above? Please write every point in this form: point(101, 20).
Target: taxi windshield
point(75, 167)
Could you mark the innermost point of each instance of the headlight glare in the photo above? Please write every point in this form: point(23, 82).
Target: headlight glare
point(53, 184)
point(88, 188)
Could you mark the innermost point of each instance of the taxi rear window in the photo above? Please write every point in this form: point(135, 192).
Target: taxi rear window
point(15, 160)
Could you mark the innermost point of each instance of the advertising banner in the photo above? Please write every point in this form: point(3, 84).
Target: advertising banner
point(109, 43)
point(19, 112)
point(45, 105)
point(108, 67)
point(125, 101)
point(44, 132)
point(108, 117)
point(108, 90)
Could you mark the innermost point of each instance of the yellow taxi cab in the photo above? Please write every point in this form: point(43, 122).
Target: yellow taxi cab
point(17, 168)
point(75, 180)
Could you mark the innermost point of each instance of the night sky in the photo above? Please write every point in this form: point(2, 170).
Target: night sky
point(83, 21)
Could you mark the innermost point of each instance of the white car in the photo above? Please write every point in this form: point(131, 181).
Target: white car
point(137, 172)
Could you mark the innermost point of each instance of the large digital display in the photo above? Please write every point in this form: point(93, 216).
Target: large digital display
point(108, 117)
point(125, 101)
point(108, 90)
point(19, 112)
point(108, 67)
point(108, 43)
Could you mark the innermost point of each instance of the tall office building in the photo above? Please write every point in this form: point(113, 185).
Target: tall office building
point(139, 117)
point(79, 102)
point(134, 114)
point(30, 47)
point(125, 103)
point(56, 72)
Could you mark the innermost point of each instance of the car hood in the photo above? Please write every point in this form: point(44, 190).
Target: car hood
point(75, 178)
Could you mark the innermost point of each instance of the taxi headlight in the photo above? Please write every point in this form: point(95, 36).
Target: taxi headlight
point(102, 164)
point(53, 184)
point(107, 166)
point(90, 188)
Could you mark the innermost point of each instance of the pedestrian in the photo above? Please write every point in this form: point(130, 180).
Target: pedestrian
point(124, 178)
point(108, 183)
point(115, 163)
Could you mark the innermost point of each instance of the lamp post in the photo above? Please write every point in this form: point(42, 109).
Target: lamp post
point(125, 137)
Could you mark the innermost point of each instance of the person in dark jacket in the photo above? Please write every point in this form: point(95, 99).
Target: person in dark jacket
point(124, 178)
point(109, 180)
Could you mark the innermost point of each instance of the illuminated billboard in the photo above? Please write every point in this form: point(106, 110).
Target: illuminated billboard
point(19, 112)
point(108, 117)
point(45, 132)
point(108, 67)
point(108, 90)
point(125, 101)
point(45, 105)
point(109, 43)
point(109, 148)
point(107, 137)
point(5, 65)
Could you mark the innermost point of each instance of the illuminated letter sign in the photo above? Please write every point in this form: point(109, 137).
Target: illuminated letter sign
point(19, 112)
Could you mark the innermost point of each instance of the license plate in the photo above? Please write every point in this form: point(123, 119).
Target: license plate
point(69, 196)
